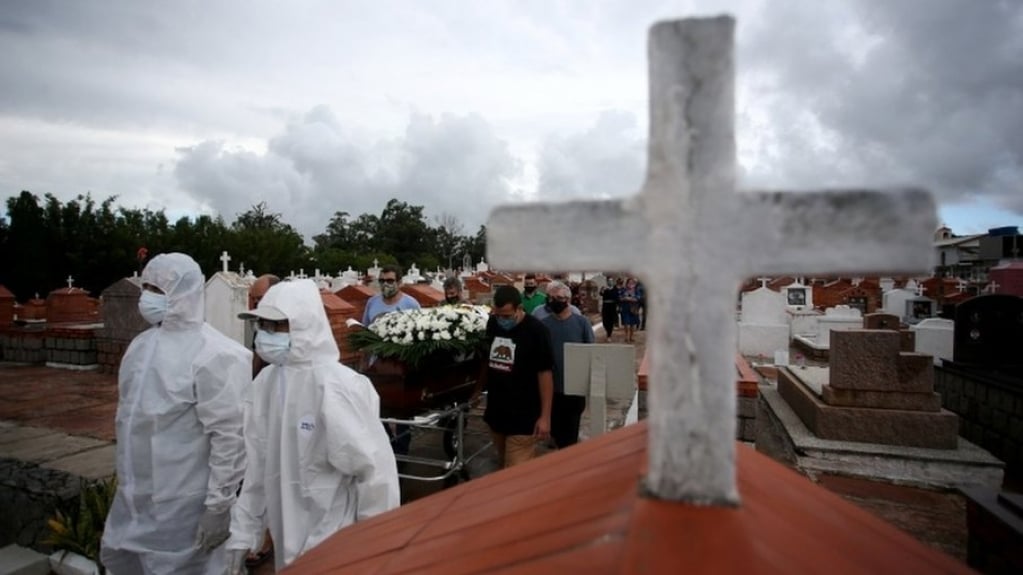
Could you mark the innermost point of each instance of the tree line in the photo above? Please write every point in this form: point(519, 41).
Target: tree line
point(44, 240)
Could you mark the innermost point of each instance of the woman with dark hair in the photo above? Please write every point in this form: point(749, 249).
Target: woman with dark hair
point(609, 308)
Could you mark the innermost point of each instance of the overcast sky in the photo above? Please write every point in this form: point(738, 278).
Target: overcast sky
point(314, 107)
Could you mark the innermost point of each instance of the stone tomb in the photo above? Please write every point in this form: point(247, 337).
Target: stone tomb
point(889, 321)
point(227, 295)
point(934, 337)
point(121, 321)
point(989, 334)
point(338, 313)
point(817, 344)
point(872, 393)
point(873, 414)
point(425, 294)
point(7, 303)
point(798, 296)
point(71, 305)
point(764, 328)
point(356, 295)
point(894, 301)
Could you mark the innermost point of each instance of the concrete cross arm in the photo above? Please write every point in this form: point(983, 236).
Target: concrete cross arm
point(838, 232)
point(601, 235)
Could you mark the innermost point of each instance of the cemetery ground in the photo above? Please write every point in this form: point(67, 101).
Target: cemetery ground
point(56, 424)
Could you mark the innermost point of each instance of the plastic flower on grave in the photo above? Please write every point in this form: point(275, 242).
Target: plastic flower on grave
point(413, 335)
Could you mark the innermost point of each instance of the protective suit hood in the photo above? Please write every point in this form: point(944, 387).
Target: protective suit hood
point(182, 281)
point(311, 338)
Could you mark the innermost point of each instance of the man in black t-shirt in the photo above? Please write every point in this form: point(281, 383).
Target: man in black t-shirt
point(518, 375)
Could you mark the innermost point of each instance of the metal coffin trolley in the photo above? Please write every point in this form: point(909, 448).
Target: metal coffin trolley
point(434, 396)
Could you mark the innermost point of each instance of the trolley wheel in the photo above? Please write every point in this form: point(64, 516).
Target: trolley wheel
point(450, 439)
point(455, 478)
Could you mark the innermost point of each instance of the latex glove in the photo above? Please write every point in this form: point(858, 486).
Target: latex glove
point(214, 529)
point(236, 561)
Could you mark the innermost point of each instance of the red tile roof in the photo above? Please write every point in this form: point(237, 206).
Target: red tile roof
point(579, 510)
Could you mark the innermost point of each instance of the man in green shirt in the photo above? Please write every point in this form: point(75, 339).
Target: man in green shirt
point(532, 298)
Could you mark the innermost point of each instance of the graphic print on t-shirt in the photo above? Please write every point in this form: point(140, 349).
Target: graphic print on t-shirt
point(502, 354)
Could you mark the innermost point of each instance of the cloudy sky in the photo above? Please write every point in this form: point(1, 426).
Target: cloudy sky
point(319, 106)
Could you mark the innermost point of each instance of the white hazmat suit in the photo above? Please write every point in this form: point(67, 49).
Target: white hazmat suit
point(318, 456)
point(180, 448)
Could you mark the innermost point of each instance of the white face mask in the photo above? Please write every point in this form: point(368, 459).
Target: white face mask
point(153, 306)
point(273, 346)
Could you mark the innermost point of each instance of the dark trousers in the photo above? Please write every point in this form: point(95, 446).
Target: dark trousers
point(566, 410)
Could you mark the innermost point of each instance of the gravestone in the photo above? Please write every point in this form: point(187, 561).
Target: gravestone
point(413, 276)
point(71, 305)
point(599, 373)
point(838, 318)
point(7, 303)
point(226, 296)
point(988, 334)
point(121, 322)
point(894, 301)
point(887, 284)
point(934, 337)
point(798, 296)
point(918, 308)
point(374, 271)
point(717, 237)
point(763, 329)
point(872, 393)
point(881, 321)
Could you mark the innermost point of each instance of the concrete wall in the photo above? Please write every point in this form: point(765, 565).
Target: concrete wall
point(990, 412)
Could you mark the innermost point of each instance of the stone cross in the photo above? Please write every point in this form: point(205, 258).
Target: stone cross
point(992, 287)
point(241, 269)
point(224, 258)
point(70, 281)
point(920, 289)
point(763, 281)
point(301, 274)
point(688, 207)
point(376, 264)
point(961, 286)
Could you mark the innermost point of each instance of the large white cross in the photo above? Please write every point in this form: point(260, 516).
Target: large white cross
point(70, 281)
point(693, 240)
point(224, 258)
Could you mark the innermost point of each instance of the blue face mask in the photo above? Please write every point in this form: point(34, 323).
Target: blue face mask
point(153, 306)
point(507, 323)
point(273, 346)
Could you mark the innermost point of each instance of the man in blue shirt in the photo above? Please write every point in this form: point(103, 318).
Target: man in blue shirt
point(564, 327)
point(390, 297)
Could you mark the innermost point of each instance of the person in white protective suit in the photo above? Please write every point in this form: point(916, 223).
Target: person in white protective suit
point(180, 446)
point(318, 456)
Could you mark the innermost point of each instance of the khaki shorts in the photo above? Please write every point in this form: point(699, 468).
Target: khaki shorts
point(514, 449)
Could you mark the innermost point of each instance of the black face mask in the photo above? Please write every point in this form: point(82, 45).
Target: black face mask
point(529, 289)
point(452, 299)
point(557, 306)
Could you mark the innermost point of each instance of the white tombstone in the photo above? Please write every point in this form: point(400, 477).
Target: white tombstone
point(798, 296)
point(413, 276)
point(438, 282)
point(802, 322)
point(764, 328)
point(227, 295)
point(716, 238)
point(374, 272)
point(838, 318)
point(912, 286)
point(894, 301)
point(887, 284)
point(935, 337)
point(600, 372)
point(483, 266)
point(918, 308)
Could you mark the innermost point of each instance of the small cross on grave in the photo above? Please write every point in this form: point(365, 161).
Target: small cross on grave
point(961, 286)
point(688, 207)
point(992, 287)
point(70, 282)
point(241, 269)
point(919, 289)
point(301, 274)
point(763, 281)
point(224, 258)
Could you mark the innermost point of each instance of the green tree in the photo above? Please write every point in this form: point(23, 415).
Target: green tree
point(267, 244)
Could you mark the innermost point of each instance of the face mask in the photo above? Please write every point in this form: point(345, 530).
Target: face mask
point(529, 289)
point(452, 299)
point(273, 346)
point(153, 306)
point(557, 306)
point(388, 290)
point(507, 323)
